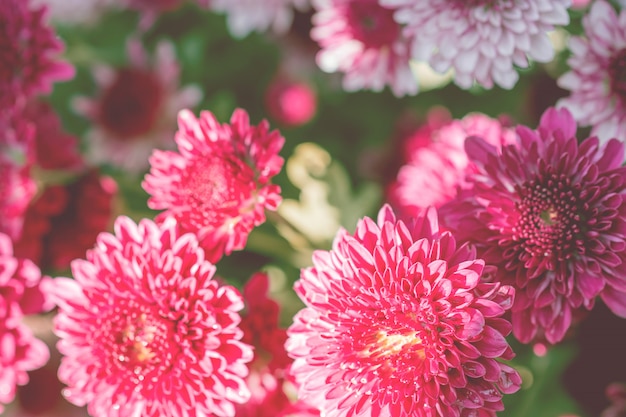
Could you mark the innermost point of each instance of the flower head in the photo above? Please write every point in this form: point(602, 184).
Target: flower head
point(597, 73)
point(28, 53)
point(551, 215)
point(17, 156)
point(20, 294)
point(269, 380)
point(436, 160)
point(218, 183)
point(361, 39)
point(291, 103)
point(145, 330)
point(64, 220)
point(482, 40)
point(399, 322)
point(136, 107)
point(245, 16)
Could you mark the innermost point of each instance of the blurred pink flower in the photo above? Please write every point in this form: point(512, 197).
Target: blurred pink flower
point(20, 294)
point(17, 156)
point(597, 73)
point(361, 39)
point(245, 16)
point(218, 183)
point(399, 323)
point(616, 393)
point(29, 63)
point(145, 330)
point(269, 380)
point(551, 215)
point(481, 40)
point(436, 162)
point(290, 103)
point(82, 12)
point(136, 106)
point(64, 221)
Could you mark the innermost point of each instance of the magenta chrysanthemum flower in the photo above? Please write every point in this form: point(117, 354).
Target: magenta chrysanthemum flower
point(437, 163)
point(269, 380)
point(361, 39)
point(218, 184)
point(246, 16)
point(551, 215)
point(20, 294)
point(399, 323)
point(597, 73)
point(482, 40)
point(146, 331)
point(136, 107)
point(28, 49)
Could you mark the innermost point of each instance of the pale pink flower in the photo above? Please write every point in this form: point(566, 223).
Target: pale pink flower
point(21, 293)
point(246, 16)
point(597, 70)
point(29, 50)
point(218, 183)
point(145, 330)
point(482, 40)
point(550, 213)
point(361, 39)
point(135, 107)
point(398, 322)
point(75, 12)
point(436, 160)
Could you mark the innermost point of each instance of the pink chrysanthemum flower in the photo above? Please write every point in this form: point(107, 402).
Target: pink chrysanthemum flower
point(398, 322)
point(551, 215)
point(146, 331)
point(28, 53)
point(437, 162)
point(597, 73)
point(218, 184)
point(291, 103)
point(17, 155)
point(20, 294)
point(361, 39)
point(246, 16)
point(136, 107)
point(269, 380)
point(482, 40)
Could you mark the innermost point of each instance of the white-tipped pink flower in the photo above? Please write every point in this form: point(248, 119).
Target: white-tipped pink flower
point(145, 330)
point(218, 183)
point(597, 73)
point(482, 40)
point(399, 322)
point(245, 16)
point(361, 39)
point(135, 108)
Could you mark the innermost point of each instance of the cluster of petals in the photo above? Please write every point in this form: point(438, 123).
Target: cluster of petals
point(21, 293)
point(436, 162)
point(550, 213)
point(361, 39)
point(482, 40)
point(399, 322)
point(17, 155)
point(63, 221)
point(29, 63)
point(596, 79)
point(218, 183)
point(269, 381)
point(145, 330)
point(246, 16)
point(135, 107)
